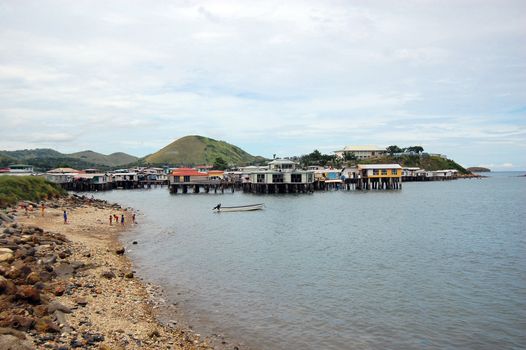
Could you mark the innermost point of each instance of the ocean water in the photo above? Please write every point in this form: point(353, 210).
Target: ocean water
point(437, 265)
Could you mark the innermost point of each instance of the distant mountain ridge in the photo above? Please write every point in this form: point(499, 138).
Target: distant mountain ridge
point(114, 159)
point(195, 150)
point(46, 158)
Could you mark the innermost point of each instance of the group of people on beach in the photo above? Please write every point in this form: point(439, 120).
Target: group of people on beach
point(115, 217)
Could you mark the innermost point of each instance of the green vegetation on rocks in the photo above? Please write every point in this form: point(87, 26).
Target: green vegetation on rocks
point(32, 188)
point(421, 161)
point(195, 150)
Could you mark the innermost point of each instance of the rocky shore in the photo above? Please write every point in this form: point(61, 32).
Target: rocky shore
point(67, 286)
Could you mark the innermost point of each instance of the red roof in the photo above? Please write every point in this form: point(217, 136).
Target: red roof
point(187, 172)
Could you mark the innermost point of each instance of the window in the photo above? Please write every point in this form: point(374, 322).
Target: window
point(187, 179)
point(394, 171)
point(277, 177)
point(375, 171)
point(177, 179)
point(384, 171)
point(260, 177)
point(295, 178)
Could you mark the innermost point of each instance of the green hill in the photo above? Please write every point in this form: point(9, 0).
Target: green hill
point(423, 161)
point(194, 150)
point(44, 159)
point(5, 160)
point(114, 159)
point(25, 154)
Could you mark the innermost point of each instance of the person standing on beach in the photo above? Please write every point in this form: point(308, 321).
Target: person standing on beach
point(133, 218)
point(111, 219)
point(65, 217)
point(122, 219)
point(42, 208)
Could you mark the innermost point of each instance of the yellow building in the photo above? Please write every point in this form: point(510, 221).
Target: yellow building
point(380, 176)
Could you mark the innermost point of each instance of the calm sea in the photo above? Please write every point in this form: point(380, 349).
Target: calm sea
point(437, 265)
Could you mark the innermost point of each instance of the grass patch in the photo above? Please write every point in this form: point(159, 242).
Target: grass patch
point(32, 188)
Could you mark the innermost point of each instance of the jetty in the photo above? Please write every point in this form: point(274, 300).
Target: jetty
point(185, 180)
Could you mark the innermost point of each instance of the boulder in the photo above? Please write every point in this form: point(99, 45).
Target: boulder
point(33, 278)
point(108, 274)
point(6, 256)
point(29, 293)
point(120, 251)
point(11, 342)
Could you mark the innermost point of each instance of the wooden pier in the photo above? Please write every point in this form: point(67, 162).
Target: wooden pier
point(268, 188)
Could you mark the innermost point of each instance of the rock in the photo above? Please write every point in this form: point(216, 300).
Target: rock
point(45, 325)
point(129, 275)
point(6, 256)
point(46, 276)
point(120, 251)
point(93, 337)
point(33, 278)
point(154, 333)
point(134, 242)
point(55, 305)
point(61, 319)
point(64, 269)
point(108, 274)
point(59, 290)
point(10, 342)
point(13, 273)
point(40, 310)
point(11, 331)
point(20, 322)
point(7, 286)
point(81, 301)
point(77, 265)
point(5, 217)
point(29, 293)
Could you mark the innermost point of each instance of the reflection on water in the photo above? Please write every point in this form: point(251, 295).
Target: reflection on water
point(436, 265)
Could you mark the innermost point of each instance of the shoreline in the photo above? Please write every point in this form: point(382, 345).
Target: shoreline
point(90, 296)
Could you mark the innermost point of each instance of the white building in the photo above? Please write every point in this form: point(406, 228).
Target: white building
point(361, 152)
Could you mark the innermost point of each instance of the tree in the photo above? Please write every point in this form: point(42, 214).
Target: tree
point(220, 164)
point(416, 149)
point(349, 157)
point(394, 149)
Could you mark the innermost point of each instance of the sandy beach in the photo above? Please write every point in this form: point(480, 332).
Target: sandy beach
point(89, 297)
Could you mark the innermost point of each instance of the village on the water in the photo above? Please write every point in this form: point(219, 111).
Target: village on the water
point(278, 176)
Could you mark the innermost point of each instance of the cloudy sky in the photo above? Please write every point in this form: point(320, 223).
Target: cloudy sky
point(281, 77)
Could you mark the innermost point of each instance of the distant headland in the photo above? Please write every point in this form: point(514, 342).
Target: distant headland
point(478, 169)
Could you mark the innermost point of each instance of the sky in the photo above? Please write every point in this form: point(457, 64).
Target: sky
point(272, 77)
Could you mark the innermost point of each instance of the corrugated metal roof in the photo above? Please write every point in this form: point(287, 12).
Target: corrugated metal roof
point(366, 148)
point(187, 172)
point(379, 166)
point(62, 170)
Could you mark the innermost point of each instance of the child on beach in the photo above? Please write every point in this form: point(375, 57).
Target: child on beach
point(122, 219)
point(65, 217)
point(111, 219)
point(133, 218)
point(42, 208)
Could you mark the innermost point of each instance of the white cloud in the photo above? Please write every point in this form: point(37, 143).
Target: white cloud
point(293, 75)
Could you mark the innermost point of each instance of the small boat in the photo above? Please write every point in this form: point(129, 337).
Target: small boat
point(219, 208)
